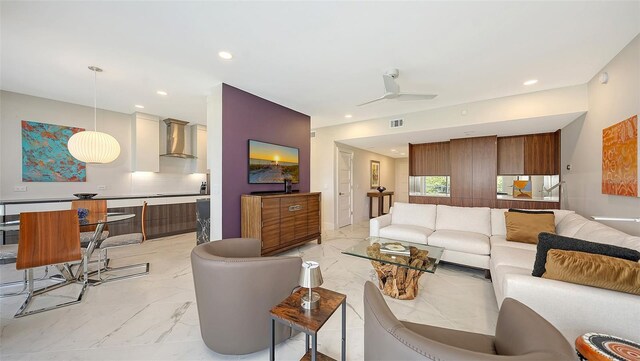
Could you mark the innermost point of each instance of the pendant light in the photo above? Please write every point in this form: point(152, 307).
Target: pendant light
point(93, 146)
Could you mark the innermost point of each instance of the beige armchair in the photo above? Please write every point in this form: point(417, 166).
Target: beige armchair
point(235, 289)
point(521, 334)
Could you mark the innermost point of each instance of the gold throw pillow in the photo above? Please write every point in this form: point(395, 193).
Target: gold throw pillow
point(593, 270)
point(525, 227)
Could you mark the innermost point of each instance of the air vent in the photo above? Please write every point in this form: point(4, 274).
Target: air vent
point(313, 134)
point(396, 123)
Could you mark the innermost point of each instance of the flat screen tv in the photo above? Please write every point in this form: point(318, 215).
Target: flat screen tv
point(272, 163)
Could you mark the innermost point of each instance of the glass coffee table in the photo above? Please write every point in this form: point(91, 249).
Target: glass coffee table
point(399, 264)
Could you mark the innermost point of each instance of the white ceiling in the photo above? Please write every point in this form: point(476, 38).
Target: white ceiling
point(397, 145)
point(319, 58)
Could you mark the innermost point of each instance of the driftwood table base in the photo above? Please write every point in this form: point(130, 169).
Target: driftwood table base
point(399, 282)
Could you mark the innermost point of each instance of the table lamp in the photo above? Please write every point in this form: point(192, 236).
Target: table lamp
point(310, 277)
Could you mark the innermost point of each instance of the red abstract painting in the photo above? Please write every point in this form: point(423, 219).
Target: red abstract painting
point(620, 158)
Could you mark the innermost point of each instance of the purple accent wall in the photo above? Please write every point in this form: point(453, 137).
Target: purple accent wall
point(246, 116)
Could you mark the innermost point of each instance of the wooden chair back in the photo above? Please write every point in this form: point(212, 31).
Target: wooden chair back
point(48, 238)
point(94, 206)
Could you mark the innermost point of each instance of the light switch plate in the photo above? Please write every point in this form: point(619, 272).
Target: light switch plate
point(20, 188)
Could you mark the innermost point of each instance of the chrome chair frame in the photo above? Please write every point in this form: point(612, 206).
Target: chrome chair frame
point(65, 270)
point(107, 268)
point(24, 283)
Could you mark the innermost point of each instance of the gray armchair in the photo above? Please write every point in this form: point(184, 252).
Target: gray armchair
point(521, 334)
point(235, 289)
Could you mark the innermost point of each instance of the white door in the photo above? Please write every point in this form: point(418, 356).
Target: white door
point(345, 184)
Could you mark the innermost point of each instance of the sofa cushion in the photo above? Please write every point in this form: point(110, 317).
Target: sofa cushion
point(525, 227)
point(467, 219)
point(531, 211)
point(510, 256)
point(597, 232)
point(593, 270)
point(548, 241)
point(497, 222)
point(406, 232)
point(423, 215)
point(501, 241)
point(469, 242)
point(570, 225)
point(498, 226)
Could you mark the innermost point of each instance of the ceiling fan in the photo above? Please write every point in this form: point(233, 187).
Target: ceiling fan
point(392, 90)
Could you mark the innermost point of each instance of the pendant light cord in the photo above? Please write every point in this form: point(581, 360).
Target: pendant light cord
point(95, 101)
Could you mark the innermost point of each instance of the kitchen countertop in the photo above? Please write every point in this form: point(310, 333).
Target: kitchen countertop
point(69, 199)
point(533, 199)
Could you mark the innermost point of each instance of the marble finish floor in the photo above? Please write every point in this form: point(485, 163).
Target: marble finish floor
point(155, 317)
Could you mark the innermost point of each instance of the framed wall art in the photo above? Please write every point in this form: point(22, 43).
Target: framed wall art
point(620, 158)
point(45, 156)
point(375, 174)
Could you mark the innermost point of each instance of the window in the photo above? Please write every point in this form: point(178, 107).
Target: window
point(438, 186)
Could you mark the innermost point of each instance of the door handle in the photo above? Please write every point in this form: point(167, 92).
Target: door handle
point(340, 194)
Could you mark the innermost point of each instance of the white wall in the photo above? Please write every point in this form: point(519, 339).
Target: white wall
point(214, 158)
point(543, 103)
point(609, 103)
point(402, 180)
point(174, 176)
point(361, 182)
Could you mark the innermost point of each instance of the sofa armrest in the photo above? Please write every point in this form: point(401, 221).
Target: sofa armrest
point(576, 309)
point(375, 224)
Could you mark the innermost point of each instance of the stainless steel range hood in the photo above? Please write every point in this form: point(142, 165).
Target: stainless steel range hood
point(175, 139)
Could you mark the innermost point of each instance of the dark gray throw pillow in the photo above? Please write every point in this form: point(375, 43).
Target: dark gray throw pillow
point(528, 211)
point(547, 241)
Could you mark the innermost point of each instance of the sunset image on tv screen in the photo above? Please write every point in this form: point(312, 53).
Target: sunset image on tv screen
point(272, 163)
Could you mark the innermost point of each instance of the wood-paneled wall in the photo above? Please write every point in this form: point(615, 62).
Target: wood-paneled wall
point(475, 163)
point(473, 171)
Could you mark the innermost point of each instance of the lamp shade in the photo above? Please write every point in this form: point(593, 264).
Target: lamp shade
point(310, 276)
point(93, 147)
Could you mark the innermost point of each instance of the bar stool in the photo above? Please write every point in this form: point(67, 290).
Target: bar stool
point(47, 238)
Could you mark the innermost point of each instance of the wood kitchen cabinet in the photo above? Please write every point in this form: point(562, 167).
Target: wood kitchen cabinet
point(532, 154)
point(511, 155)
point(542, 154)
point(429, 159)
point(281, 221)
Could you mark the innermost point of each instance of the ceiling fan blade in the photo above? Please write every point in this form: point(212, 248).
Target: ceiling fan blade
point(410, 97)
point(390, 85)
point(371, 101)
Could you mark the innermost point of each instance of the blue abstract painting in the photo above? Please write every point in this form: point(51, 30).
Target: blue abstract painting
point(45, 156)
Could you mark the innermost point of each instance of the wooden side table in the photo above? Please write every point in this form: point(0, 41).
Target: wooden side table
point(602, 347)
point(290, 313)
point(380, 196)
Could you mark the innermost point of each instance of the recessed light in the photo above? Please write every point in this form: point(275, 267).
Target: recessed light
point(393, 150)
point(348, 116)
point(530, 82)
point(225, 55)
point(403, 153)
point(161, 92)
point(139, 106)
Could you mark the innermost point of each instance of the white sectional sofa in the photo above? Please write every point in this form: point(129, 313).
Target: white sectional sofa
point(477, 237)
point(463, 232)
